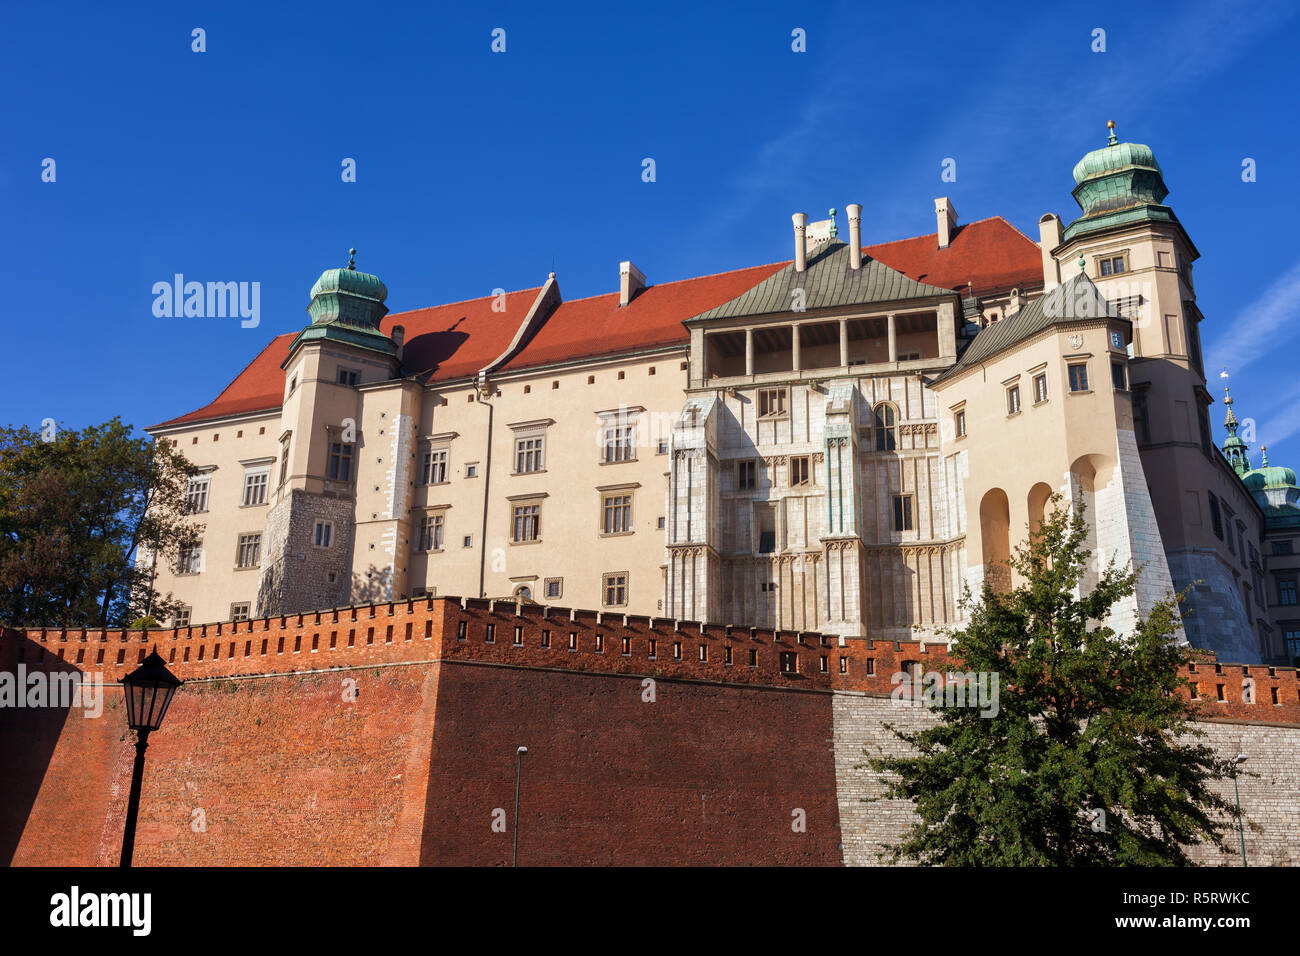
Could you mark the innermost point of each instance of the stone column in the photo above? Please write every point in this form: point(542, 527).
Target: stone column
point(893, 339)
point(749, 351)
point(844, 341)
point(794, 345)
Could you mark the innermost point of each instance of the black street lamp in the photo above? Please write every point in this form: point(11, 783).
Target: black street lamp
point(519, 758)
point(1240, 759)
point(149, 689)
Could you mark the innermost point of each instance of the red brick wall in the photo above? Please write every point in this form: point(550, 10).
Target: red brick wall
point(286, 770)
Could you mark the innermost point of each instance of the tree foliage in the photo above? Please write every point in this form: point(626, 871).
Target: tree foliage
point(1088, 720)
point(76, 512)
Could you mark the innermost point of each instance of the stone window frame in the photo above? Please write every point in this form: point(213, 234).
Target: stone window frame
point(557, 584)
point(750, 464)
point(239, 550)
point(253, 468)
point(765, 409)
point(333, 436)
point(904, 515)
point(958, 420)
point(884, 427)
point(315, 536)
point(611, 422)
point(605, 493)
point(624, 585)
point(236, 615)
point(534, 500)
point(1078, 361)
point(1109, 259)
point(204, 478)
point(195, 555)
point(807, 470)
point(427, 514)
point(529, 431)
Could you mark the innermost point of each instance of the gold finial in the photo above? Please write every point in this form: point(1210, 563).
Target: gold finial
point(1110, 125)
point(1264, 450)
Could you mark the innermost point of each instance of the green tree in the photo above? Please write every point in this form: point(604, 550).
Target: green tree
point(1088, 720)
point(77, 511)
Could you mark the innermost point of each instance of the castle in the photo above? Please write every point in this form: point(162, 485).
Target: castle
point(837, 443)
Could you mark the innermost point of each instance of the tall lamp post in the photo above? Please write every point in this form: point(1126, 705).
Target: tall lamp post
point(519, 759)
point(149, 689)
point(1240, 759)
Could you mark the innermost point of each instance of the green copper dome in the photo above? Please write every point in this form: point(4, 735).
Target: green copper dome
point(1118, 184)
point(347, 306)
point(348, 296)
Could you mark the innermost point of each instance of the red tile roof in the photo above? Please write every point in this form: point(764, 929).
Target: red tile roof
point(598, 325)
point(456, 340)
point(991, 253)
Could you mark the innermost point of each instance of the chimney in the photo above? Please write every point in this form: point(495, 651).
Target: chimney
point(855, 235)
point(800, 246)
point(399, 336)
point(1049, 237)
point(630, 282)
point(946, 213)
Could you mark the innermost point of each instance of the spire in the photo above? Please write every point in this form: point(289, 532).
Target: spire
point(1114, 140)
point(1234, 449)
point(834, 230)
point(1263, 449)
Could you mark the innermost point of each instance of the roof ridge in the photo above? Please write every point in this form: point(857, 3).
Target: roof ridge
point(924, 235)
point(447, 305)
point(710, 275)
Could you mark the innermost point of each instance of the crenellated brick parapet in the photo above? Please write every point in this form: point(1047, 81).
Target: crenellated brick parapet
point(518, 634)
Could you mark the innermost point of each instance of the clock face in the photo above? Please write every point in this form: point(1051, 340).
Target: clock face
point(1076, 342)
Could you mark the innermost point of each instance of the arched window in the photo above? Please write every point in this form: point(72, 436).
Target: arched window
point(886, 422)
point(524, 592)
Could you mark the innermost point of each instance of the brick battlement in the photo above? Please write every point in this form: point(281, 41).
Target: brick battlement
point(515, 634)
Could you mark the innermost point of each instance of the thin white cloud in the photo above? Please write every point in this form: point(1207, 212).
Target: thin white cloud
point(1261, 328)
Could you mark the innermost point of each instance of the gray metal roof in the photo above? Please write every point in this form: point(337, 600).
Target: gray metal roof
point(1076, 300)
point(828, 281)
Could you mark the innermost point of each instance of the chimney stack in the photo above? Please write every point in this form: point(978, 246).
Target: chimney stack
point(800, 246)
point(946, 213)
point(630, 282)
point(855, 235)
point(399, 337)
point(1049, 237)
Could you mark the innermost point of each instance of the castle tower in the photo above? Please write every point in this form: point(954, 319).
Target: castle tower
point(1139, 256)
point(310, 529)
point(1234, 449)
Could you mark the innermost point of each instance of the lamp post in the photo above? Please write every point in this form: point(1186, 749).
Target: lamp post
point(519, 759)
point(1240, 759)
point(149, 689)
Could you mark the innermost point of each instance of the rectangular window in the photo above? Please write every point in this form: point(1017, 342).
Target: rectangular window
point(528, 455)
point(349, 376)
point(250, 551)
point(661, 448)
point(1216, 516)
point(433, 468)
point(239, 612)
point(255, 485)
point(1292, 637)
point(527, 522)
point(800, 472)
point(322, 534)
point(1079, 377)
point(1118, 376)
point(190, 560)
point(1040, 388)
point(554, 587)
point(618, 514)
point(340, 461)
point(902, 512)
point(182, 619)
point(959, 423)
point(284, 457)
point(468, 541)
point(1282, 547)
point(431, 527)
point(1140, 426)
point(618, 442)
point(196, 495)
point(1013, 400)
point(746, 475)
point(1112, 266)
point(1286, 591)
point(771, 402)
point(616, 589)
point(471, 469)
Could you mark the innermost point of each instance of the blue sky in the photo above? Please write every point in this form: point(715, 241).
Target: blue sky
point(478, 170)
